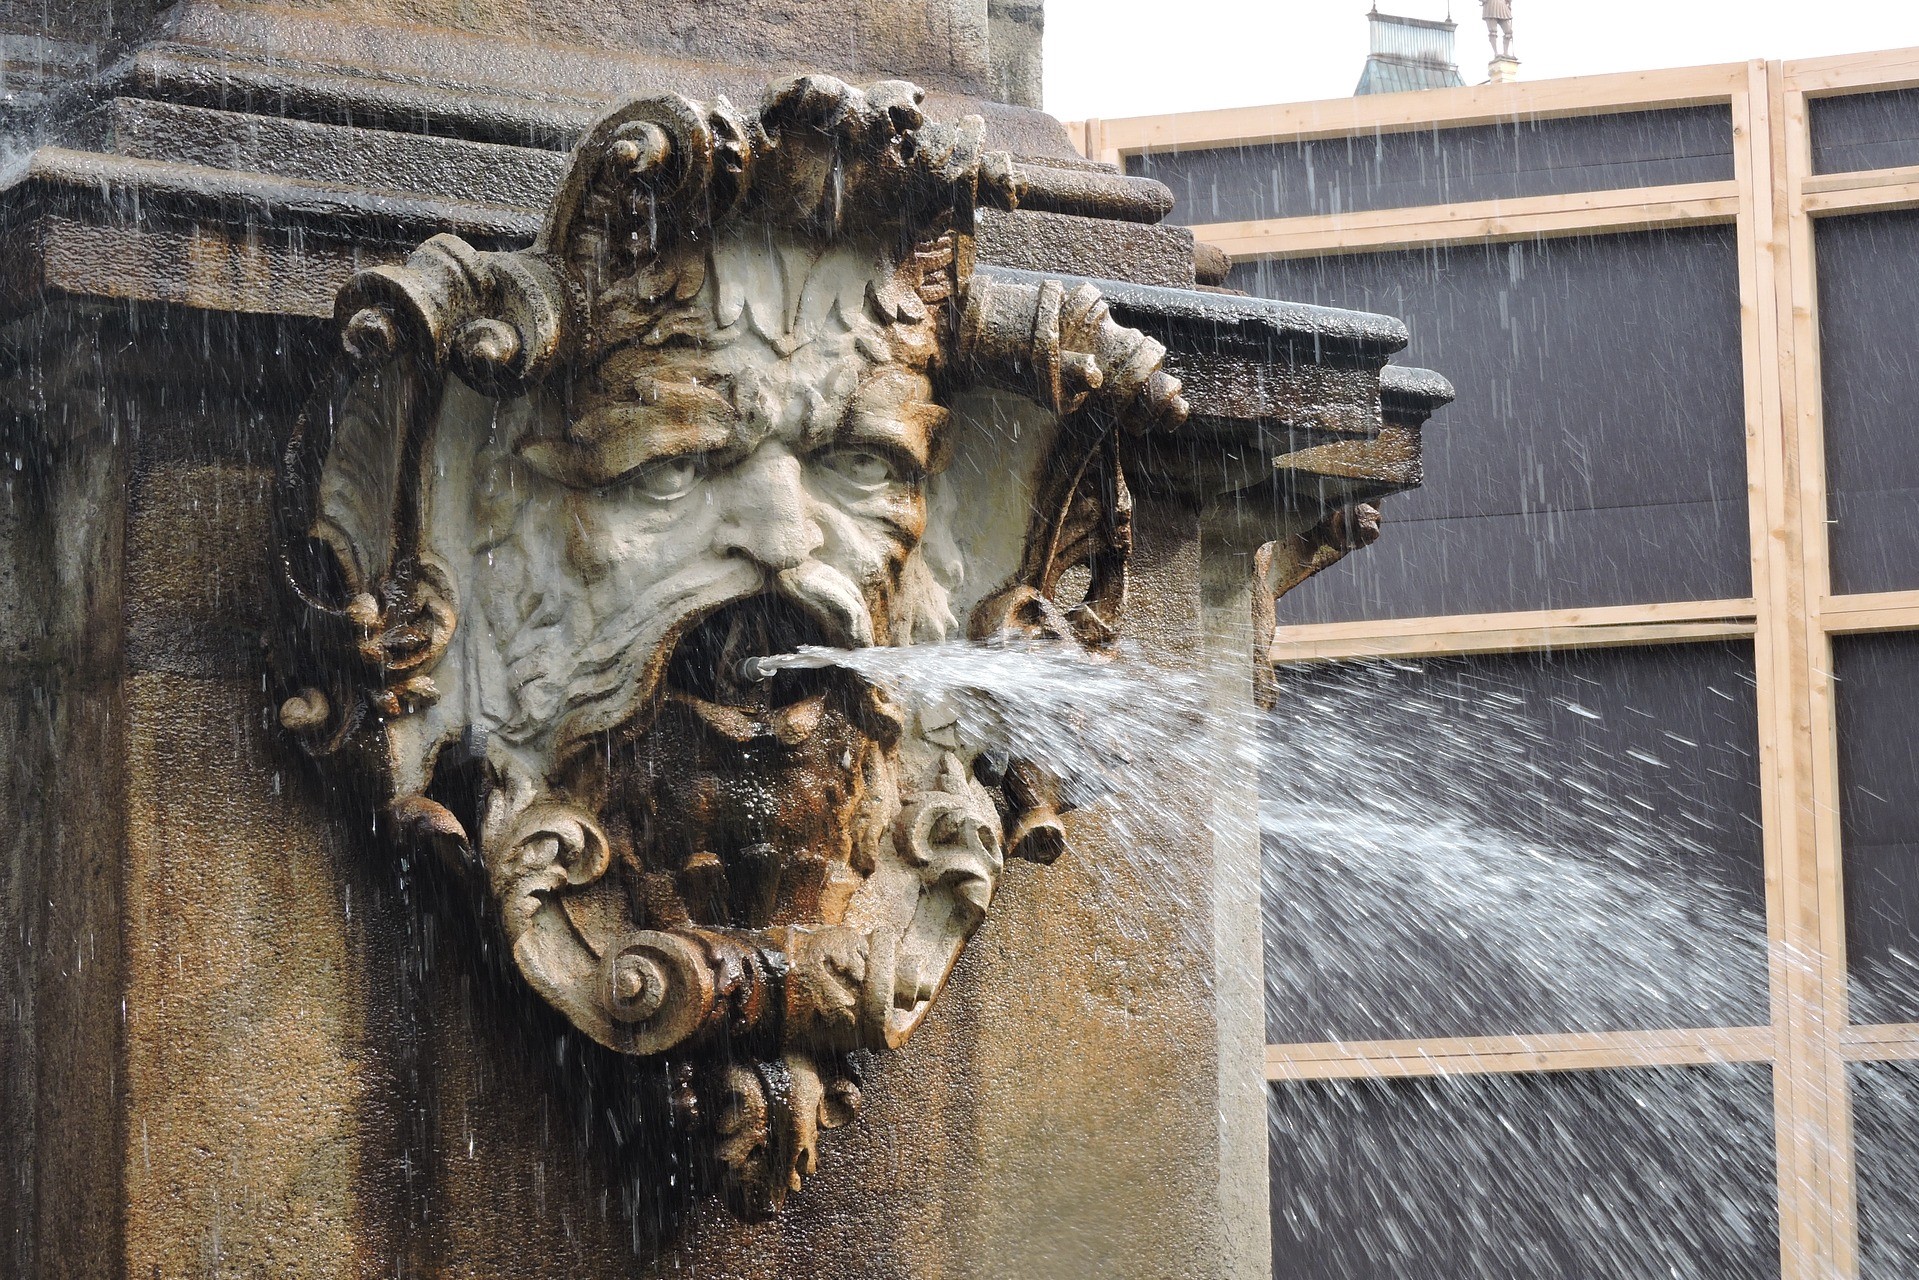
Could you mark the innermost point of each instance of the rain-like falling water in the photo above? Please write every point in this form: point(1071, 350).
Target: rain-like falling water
point(1451, 849)
point(1451, 854)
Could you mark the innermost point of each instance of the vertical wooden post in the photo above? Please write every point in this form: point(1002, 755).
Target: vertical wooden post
point(1805, 442)
point(1779, 643)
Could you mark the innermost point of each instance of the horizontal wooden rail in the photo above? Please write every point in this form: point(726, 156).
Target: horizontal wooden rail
point(1888, 1042)
point(1409, 112)
point(1862, 180)
point(1882, 70)
point(1113, 139)
point(1879, 611)
point(1492, 1055)
point(1458, 634)
point(1877, 189)
point(1480, 221)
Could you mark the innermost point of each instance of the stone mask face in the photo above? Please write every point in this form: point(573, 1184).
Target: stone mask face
point(563, 495)
point(782, 457)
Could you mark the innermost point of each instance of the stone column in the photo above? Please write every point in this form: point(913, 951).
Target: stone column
point(185, 1083)
point(63, 788)
point(1238, 958)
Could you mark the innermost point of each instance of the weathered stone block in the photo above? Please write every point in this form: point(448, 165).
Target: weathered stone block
point(1136, 252)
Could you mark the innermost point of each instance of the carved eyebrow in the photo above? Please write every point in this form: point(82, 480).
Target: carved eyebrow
point(889, 413)
point(669, 419)
point(913, 433)
point(687, 396)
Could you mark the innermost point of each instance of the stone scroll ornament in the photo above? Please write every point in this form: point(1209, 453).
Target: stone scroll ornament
point(556, 497)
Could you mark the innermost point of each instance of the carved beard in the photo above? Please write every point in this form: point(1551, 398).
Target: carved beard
point(752, 804)
point(801, 870)
point(744, 815)
point(749, 805)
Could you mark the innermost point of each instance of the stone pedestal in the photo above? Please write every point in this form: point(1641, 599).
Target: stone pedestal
point(245, 1037)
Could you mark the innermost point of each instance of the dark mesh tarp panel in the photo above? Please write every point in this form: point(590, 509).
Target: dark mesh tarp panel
point(1885, 1133)
point(1614, 1175)
point(1878, 709)
point(1444, 166)
point(1513, 844)
point(1596, 453)
point(1868, 316)
point(1864, 131)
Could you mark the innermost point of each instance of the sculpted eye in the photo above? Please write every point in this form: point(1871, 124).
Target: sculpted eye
point(862, 467)
point(666, 479)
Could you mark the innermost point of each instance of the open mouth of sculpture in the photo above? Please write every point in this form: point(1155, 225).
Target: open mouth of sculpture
point(707, 662)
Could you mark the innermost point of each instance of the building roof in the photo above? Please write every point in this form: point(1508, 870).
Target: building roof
point(1408, 53)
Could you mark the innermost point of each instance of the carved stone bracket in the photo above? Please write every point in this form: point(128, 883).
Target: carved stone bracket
point(1359, 472)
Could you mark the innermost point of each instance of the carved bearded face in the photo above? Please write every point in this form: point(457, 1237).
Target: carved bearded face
point(780, 458)
point(738, 470)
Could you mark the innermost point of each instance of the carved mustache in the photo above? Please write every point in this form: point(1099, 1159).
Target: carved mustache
point(830, 596)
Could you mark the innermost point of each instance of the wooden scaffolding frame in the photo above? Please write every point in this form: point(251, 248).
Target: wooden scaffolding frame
point(1791, 618)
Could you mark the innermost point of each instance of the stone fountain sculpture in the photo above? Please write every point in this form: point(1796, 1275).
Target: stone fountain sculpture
point(563, 494)
point(633, 389)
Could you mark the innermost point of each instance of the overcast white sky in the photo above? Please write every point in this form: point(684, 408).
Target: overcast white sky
point(1115, 58)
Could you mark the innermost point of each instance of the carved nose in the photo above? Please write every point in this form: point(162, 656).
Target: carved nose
point(769, 517)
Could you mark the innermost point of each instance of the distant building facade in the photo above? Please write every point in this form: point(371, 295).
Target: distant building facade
point(1672, 521)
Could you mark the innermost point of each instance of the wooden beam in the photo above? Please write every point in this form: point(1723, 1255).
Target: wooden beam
point(1887, 1042)
point(1763, 265)
point(1077, 134)
point(1878, 611)
point(1491, 1055)
point(1860, 180)
point(1812, 1232)
point(1587, 616)
point(1426, 109)
point(1482, 221)
point(1088, 137)
point(1864, 199)
point(1518, 640)
point(1882, 70)
point(1590, 628)
point(1817, 1197)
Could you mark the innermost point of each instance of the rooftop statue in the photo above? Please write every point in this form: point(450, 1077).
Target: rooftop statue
point(559, 496)
point(1499, 25)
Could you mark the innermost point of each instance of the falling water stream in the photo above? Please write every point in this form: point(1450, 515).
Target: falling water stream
point(1433, 862)
point(1454, 849)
